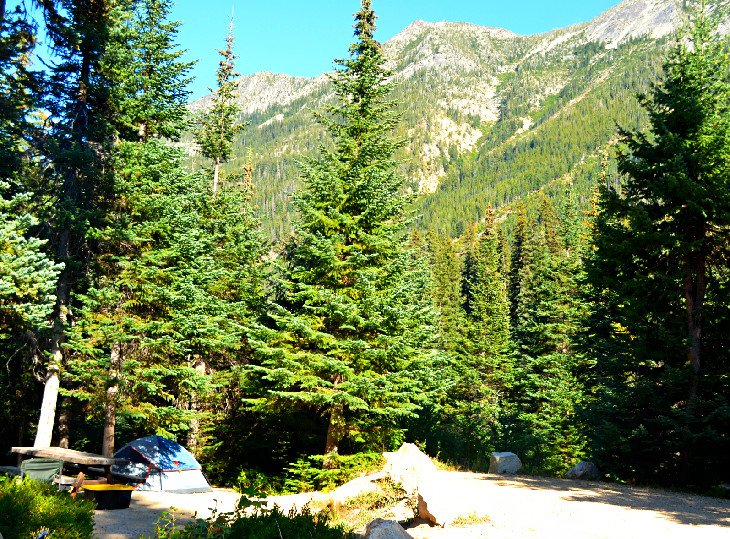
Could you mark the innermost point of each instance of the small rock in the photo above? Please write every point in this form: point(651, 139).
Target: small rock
point(385, 529)
point(408, 466)
point(584, 470)
point(504, 463)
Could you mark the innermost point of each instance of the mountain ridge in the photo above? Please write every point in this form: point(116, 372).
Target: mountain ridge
point(466, 94)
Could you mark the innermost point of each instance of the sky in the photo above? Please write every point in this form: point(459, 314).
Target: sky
point(302, 37)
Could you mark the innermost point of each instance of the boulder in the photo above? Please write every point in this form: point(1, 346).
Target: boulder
point(437, 504)
point(354, 488)
point(447, 497)
point(584, 470)
point(408, 466)
point(385, 529)
point(504, 463)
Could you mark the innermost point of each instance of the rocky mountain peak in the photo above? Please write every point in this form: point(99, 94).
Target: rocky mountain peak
point(635, 18)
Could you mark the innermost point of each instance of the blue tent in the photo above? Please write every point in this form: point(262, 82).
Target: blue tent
point(164, 464)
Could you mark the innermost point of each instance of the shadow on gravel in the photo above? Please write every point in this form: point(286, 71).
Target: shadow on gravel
point(680, 507)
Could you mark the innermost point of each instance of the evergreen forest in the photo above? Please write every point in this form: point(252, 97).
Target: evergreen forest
point(562, 293)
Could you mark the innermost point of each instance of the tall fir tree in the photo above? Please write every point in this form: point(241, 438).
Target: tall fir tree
point(446, 289)
point(489, 306)
point(657, 274)
point(77, 151)
point(517, 259)
point(175, 276)
point(353, 315)
point(149, 91)
point(547, 393)
point(220, 123)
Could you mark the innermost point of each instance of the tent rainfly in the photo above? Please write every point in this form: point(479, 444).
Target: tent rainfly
point(164, 464)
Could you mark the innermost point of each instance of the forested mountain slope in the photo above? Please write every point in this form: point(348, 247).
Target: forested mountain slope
point(489, 116)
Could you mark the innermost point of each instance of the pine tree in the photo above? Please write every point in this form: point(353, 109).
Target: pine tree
point(517, 261)
point(27, 274)
point(146, 79)
point(446, 289)
point(80, 140)
point(219, 124)
point(547, 391)
point(149, 80)
point(489, 305)
point(354, 312)
point(657, 274)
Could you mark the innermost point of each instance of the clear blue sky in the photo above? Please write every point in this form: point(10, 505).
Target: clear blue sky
point(301, 37)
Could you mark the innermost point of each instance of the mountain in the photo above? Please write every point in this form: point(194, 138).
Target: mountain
point(488, 116)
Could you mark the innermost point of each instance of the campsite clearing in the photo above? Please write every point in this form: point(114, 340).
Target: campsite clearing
point(524, 507)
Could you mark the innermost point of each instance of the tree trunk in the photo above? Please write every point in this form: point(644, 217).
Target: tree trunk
point(194, 434)
point(44, 434)
point(21, 440)
point(50, 391)
point(336, 427)
point(335, 433)
point(695, 286)
point(112, 393)
point(216, 170)
point(63, 426)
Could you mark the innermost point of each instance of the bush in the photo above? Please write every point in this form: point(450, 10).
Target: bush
point(310, 473)
point(259, 482)
point(28, 506)
point(256, 524)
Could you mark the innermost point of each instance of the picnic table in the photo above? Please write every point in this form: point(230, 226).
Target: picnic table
point(80, 458)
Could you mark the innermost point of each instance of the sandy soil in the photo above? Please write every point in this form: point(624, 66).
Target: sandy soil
point(146, 507)
point(528, 507)
point(499, 508)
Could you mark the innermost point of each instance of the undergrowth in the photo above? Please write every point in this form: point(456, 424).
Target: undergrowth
point(29, 507)
point(310, 473)
point(251, 521)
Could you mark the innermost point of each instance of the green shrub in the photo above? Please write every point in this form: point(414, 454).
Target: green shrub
point(259, 482)
point(310, 473)
point(27, 507)
point(256, 524)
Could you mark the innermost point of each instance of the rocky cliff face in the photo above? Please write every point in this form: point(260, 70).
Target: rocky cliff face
point(463, 89)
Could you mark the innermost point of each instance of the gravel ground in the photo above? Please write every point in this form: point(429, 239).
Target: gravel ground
point(501, 508)
point(532, 508)
point(146, 507)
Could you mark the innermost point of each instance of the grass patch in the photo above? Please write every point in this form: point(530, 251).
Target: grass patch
point(472, 519)
point(28, 507)
point(362, 509)
point(256, 523)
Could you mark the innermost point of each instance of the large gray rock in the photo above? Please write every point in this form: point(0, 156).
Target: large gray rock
point(408, 466)
point(504, 463)
point(450, 496)
point(354, 488)
point(437, 503)
point(385, 529)
point(584, 470)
